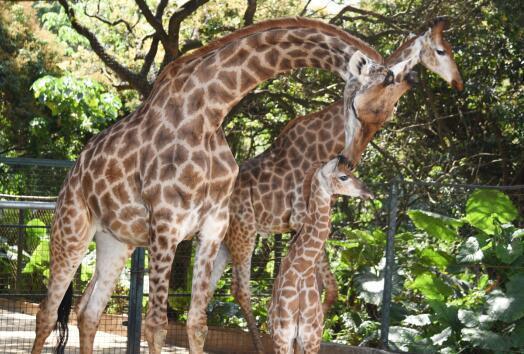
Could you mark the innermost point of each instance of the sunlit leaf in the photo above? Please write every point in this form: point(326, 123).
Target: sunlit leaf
point(484, 339)
point(439, 226)
point(486, 207)
point(431, 286)
point(470, 252)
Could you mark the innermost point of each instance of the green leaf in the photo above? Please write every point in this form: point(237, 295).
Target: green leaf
point(432, 287)
point(439, 226)
point(417, 320)
point(35, 232)
point(509, 306)
point(402, 337)
point(509, 252)
point(470, 252)
point(472, 319)
point(39, 258)
point(484, 339)
point(517, 337)
point(487, 207)
point(442, 337)
point(432, 257)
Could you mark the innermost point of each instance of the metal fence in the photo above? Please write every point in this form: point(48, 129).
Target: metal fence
point(24, 237)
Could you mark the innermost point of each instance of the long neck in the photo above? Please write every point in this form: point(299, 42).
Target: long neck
point(206, 86)
point(308, 246)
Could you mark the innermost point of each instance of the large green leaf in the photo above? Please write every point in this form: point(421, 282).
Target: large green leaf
point(517, 337)
point(472, 319)
point(39, 260)
point(470, 252)
point(442, 227)
point(431, 286)
point(417, 320)
point(402, 338)
point(509, 306)
point(486, 207)
point(485, 339)
point(442, 337)
point(509, 252)
point(433, 257)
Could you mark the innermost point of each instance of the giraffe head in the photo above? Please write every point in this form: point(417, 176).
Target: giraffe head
point(336, 177)
point(375, 89)
point(436, 54)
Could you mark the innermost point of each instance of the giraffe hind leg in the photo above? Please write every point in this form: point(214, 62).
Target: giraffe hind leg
point(111, 256)
point(72, 231)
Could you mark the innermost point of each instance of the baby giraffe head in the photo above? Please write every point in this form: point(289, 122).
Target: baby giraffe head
point(336, 178)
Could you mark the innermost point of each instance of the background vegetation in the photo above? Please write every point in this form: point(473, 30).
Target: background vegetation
point(68, 69)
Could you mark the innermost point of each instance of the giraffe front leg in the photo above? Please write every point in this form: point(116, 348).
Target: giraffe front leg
point(211, 235)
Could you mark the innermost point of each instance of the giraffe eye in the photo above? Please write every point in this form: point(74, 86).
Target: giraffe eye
point(343, 178)
point(440, 52)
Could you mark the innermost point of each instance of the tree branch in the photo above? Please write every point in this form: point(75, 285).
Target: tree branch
point(156, 22)
point(249, 15)
point(138, 82)
point(376, 15)
point(106, 21)
point(175, 21)
point(304, 10)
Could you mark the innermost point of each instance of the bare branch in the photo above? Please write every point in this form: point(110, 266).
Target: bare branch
point(156, 23)
point(249, 15)
point(107, 22)
point(150, 57)
point(375, 15)
point(304, 10)
point(138, 82)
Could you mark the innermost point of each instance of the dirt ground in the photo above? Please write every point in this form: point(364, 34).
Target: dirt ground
point(17, 334)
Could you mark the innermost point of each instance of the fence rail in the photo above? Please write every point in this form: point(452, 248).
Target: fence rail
point(15, 230)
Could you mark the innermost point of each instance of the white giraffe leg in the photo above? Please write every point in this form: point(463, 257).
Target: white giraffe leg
point(111, 256)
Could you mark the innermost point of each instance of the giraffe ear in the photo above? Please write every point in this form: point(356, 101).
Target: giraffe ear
point(358, 65)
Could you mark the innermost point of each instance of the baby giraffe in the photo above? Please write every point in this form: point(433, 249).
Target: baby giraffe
point(295, 313)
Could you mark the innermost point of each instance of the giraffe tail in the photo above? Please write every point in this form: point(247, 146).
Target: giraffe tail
point(64, 310)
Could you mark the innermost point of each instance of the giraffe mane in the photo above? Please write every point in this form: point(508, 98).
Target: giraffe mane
point(403, 46)
point(287, 22)
point(308, 179)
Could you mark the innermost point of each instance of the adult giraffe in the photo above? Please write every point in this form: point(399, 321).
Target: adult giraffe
point(165, 172)
point(267, 197)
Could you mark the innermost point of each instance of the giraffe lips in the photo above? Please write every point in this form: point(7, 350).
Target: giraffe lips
point(366, 195)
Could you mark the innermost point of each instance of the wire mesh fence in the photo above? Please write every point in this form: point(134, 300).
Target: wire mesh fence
point(24, 267)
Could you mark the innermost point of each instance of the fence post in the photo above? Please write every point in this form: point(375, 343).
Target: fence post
point(136, 292)
point(390, 262)
point(20, 248)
